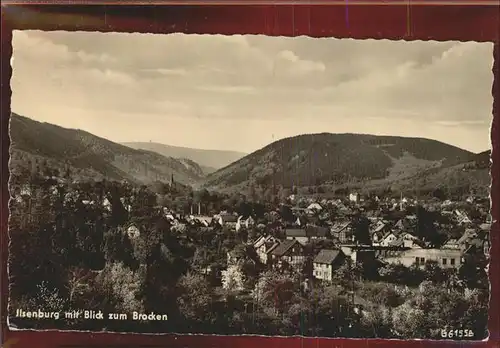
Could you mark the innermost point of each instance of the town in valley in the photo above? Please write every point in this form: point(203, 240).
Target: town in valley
point(276, 261)
point(249, 185)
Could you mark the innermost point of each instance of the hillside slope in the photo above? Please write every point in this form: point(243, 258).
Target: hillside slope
point(90, 156)
point(209, 160)
point(319, 159)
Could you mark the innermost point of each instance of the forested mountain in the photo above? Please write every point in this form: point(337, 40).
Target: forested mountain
point(89, 156)
point(340, 159)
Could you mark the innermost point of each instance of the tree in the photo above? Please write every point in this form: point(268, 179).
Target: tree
point(253, 193)
point(123, 285)
point(439, 194)
point(361, 227)
point(284, 193)
point(348, 272)
point(287, 214)
point(79, 283)
point(244, 209)
point(275, 291)
point(434, 272)
point(473, 274)
point(399, 274)
point(233, 278)
point(377, 322)
point(194, 300)
point(409, 322)
point(425, 228)
point(334, 315)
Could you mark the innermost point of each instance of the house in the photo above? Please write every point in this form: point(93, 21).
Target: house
point(244, 223)
point(203, 220)
point(446, 203)
point(486, 245)
point(342, 231)
point(133, 232)
point(25, 190)
point(228, 220)
point(314, 208)
point(106, 204)
point(401, 225)
point(376, 237)
point(388, 239)
point(409, 240)
point(378, 230)
point(305, 235)
point(359, 253)
point(486, 227)
point(298, 234)
point(263, 246)
point(462, 218)
point(325, 263)
point(300, 221)
point(288, 252)
point(452, 243)
point(468, 236)
point(446, 258)
point(477, 249)
point(317, 232)
point(258, 242)
point(406, 240)
point(324, 216)
point(354, 197)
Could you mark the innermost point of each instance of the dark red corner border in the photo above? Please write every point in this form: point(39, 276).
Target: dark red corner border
point(395, 22)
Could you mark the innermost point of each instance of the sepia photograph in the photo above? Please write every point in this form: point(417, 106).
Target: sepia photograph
point(249, 185)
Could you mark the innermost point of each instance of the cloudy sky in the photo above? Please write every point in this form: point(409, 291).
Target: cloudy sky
point(243, 92)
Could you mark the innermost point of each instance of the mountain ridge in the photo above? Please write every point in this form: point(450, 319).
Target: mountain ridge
point(308, 160)
point(334, 159)
point(91, 155)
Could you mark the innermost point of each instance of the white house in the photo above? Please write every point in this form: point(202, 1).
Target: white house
point(325, 263)
point(298, 234)
point(25, 190)
point(446, 258)
point(388, 239)
point(244, 223)
point(263, 246)
point(452, 244)
point(354, 197)
point(133, 232)
point(409, 240)
point(106, 204)
point(228, 220)
point(462, 218)
point(314, 207)
point(298, 222)
point(203, 220)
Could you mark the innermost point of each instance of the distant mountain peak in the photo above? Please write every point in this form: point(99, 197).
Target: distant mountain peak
point(209, 160)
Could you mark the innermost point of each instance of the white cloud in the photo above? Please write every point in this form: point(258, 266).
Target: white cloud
point(229, 89)
point(252, 83)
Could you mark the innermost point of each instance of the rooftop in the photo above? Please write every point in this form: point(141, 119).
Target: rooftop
point(284, 246)
point(327, 256)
